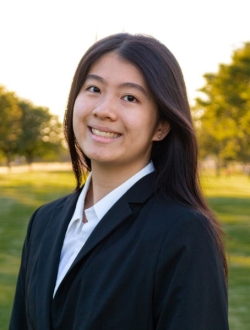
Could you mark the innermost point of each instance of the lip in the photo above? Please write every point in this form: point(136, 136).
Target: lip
point(103, 139)
point(103, 129)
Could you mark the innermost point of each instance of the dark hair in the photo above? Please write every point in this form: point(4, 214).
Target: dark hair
point(175, 157)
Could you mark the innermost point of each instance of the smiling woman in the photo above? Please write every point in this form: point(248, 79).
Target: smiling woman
point(115, 119)
point(136, 247)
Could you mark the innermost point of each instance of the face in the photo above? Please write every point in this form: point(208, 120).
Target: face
point(115, 118)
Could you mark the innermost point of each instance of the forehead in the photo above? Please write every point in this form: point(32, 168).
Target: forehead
point(111, 65)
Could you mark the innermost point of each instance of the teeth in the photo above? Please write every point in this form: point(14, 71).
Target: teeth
point(105, 134)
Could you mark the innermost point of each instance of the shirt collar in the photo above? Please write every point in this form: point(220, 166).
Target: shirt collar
point(102, 207)
point(80, 202)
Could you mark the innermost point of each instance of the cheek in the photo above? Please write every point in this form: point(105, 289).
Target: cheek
point(77, 122)
point(78, 108)
point(79, 112)
point(141, 118)
point(148, 121)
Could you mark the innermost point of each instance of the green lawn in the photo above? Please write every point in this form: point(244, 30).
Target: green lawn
point(229, 197)
point(21, 194)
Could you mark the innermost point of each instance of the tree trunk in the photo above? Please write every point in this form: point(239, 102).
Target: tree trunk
point(30, 162)
point(217, 166)
point(8, 160)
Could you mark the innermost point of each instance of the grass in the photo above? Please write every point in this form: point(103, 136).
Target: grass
point(22, 193)
point(229, 197)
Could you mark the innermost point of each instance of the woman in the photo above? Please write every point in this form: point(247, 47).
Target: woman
point(137, 247)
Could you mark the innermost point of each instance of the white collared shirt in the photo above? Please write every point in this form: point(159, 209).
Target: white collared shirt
point(78, 232)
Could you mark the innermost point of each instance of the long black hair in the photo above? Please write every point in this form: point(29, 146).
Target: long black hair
point(175, 157)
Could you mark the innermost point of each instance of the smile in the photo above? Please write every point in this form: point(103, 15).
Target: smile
point(105, 134)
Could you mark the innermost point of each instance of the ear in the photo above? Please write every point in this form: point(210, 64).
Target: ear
point(161, 131)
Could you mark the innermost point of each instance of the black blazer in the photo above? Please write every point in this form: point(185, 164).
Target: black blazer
point(148, 264)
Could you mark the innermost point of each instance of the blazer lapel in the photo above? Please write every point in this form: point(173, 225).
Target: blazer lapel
point(126, 206)
point(49, 257)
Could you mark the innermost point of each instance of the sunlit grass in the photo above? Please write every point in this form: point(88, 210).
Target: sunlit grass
point(239, 260)
point(22, 193)
point(229, 197)
point(226, 186)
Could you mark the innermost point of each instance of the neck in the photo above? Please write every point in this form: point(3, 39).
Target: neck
point(105, 179)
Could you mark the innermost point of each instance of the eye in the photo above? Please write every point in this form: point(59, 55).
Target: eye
point(130, 98)
point(94, 89)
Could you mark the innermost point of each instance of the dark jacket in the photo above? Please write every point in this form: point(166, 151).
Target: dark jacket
point(149, 264)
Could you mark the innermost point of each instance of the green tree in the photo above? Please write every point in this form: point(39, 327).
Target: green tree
point(41, 133)
point(10, 128)
point(224, 111)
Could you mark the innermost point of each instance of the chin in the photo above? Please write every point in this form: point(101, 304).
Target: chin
point(100, 159)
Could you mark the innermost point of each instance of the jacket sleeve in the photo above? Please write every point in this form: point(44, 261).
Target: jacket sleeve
point(19, 319)
point(190, 290)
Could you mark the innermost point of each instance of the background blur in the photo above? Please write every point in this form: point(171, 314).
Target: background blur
point(41, 45)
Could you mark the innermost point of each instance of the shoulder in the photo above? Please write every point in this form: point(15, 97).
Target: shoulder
point(185, 231)
point(182, 227)
point(47, 207)
point(45, 212)
point(60, 201)
point(172, 213)
point(174, 226)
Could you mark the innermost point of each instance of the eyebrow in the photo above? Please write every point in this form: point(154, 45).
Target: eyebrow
point(95, 77)
point(136, 86)
point(125, 84)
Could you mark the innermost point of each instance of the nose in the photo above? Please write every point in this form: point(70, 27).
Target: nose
point(106, 109)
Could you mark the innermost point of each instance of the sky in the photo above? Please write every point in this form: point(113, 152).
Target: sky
point(42, 41)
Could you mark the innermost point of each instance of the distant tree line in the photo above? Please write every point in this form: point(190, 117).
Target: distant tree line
point(222, 115)
point(28, 131)
point(222, 118)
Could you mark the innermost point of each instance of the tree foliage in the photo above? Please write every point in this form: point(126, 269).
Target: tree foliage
point(224, 129)
point(10, 130)
point(41, 132)
point(27, 130)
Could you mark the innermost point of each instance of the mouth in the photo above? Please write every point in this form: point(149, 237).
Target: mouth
point(110, 135)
